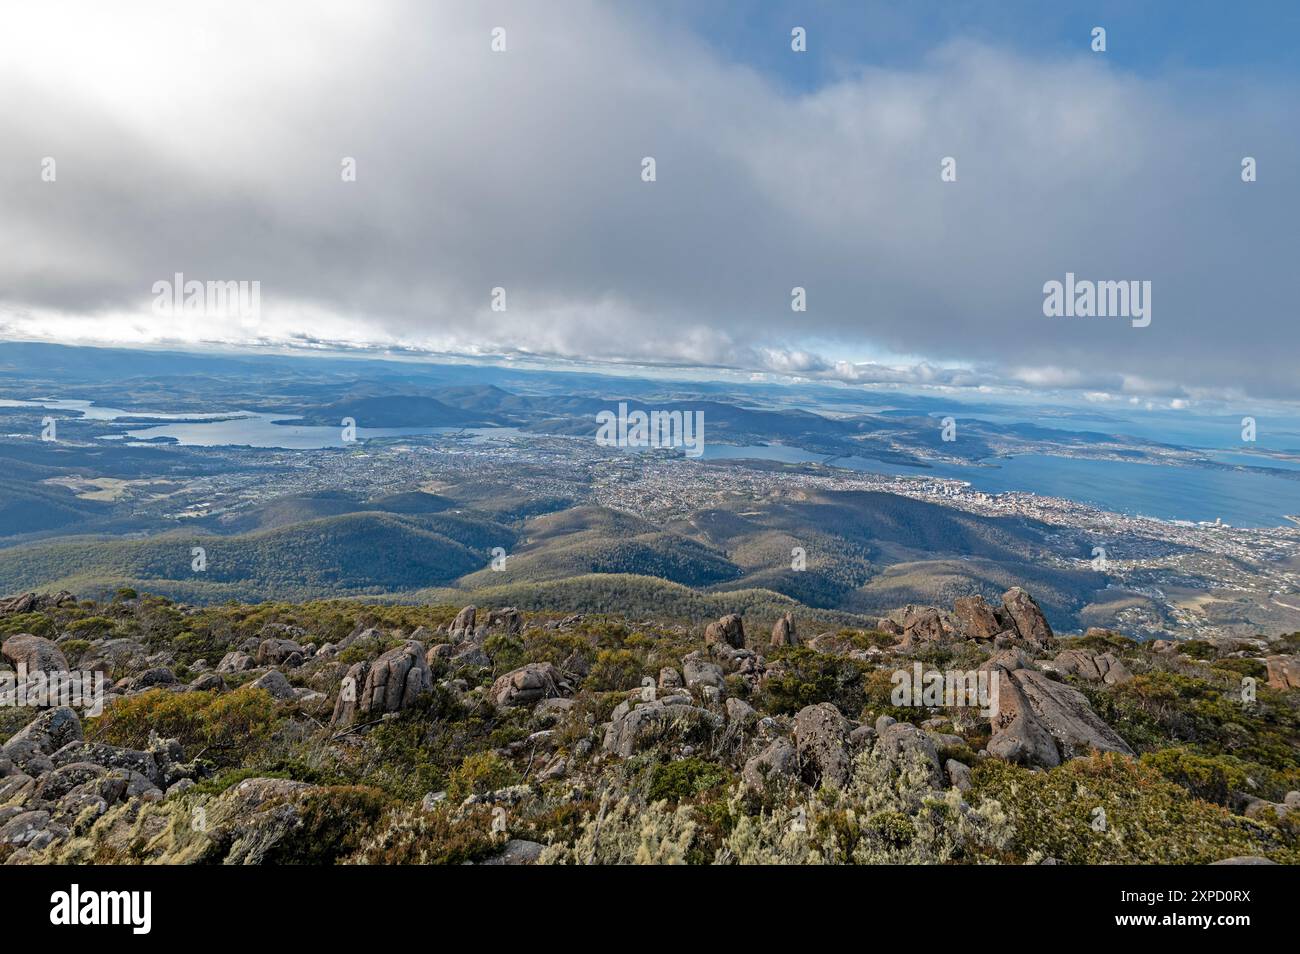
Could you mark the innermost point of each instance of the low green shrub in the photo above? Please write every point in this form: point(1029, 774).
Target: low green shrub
point(804, 677)
point(1145, 818)
point(479, 774)
point(615, 670)
point(224, 728)
point(332, 824)
point(685, 778)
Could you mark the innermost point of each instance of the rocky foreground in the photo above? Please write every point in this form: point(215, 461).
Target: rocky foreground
point(335, 732)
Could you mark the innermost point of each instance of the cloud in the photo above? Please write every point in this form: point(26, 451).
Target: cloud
point(206, 138)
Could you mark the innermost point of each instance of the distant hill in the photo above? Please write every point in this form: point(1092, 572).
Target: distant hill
point(400, 410)
point(866, 552)
point(1061, 593)
point(341, 555)
point(295, 508)
point(31, 507)
point(633, 596)
point(485, 398)
point(285, 511)
point(584, 540)
point(862, 553)
point(412, 502)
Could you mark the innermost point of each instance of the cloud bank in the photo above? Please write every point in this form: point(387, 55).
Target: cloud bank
point(207, 138)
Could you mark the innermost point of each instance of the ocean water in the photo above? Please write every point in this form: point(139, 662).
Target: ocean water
point(1274, 431)
point(93, 412)
point(1253, 460)
point(1242, 498)
point(258, 430)
point(236, 429)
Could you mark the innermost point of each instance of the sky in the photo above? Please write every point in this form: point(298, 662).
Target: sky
point(209, 138)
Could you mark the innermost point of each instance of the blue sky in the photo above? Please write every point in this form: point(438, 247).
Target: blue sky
point(1144, 36)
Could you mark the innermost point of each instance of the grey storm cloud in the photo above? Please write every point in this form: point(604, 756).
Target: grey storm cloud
point(207, 139)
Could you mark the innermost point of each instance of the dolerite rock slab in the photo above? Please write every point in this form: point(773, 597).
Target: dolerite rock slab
point(32, 603)
point(700, 672)
point(51, 730)
point(14, 605)
point(903, 742)
point(1043, 722)
point(209, 682)
point(23, 828)
point(635, 728)
point(1244, 860)
point(977, 618)
point(15, 787)
point(778, 761)
point(390, 684)
point(275, 650)
point(462, 627)
point(821, 736)
point(58, 782)
point(783, 632)
point(395, 679)
point(235, 661)
point(154, 676)
point(349, 698)
point(470, 653)
point(1022, 610)
point(923, 624)
point(1105, 667)
point(508, 620)
point(729, 630)
point(275, 683)
point(109, 756)
point(37, 653)
point(27, 756)
point(958, 775)
point(1009, 659)
point(1283, 672)
point(528, 684)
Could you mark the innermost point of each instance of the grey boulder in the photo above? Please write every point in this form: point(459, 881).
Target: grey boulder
point(821, 737)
